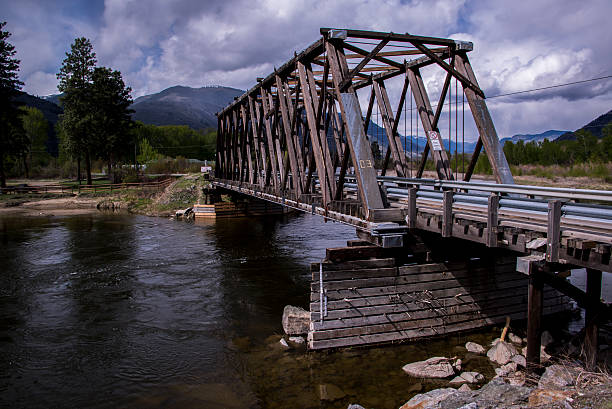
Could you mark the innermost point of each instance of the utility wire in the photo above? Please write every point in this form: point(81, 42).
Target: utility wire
point(551, 86)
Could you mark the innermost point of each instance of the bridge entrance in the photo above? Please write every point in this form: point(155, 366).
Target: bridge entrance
point(300, 138)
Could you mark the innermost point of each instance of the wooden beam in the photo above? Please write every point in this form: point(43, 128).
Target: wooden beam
point(394, 141)
point(553, 235)
point(535, 304)
point(591, 319)
point(362, 64)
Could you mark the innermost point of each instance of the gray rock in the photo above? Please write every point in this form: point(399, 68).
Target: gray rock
point(495, 394)
point(355, 406)
point(284, 343)
point(558, 377)
point(546, 339)
point(296, 320)
point(436, 367)
point(297, 340)
point(428, 400)
point(515, 339)
point(464, 388)
point(471, 405)
point(457, 365)
point(502, 352)
point(506, 369)
point(468, 377)
point(520, 360)
point(475, 348)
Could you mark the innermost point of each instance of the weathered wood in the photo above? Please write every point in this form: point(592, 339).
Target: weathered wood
point(447, 214)
point(492, 220)
point(535, 304)
point(425, 332)
point(386, 112)
point(553, 235)
point(411, 217)
point(341, 254)
point(359, 147)
point(591, 318)
point(355, 265)
point(288, 132)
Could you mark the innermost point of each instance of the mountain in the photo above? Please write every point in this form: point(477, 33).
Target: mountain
point(51, 113)
point(377, 133)
point(55, 98)
point(538, 137)
point(194, 107)
point(595, 127)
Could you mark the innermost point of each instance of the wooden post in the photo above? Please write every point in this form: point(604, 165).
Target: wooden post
point(535, 302)
point(554, 229)
point(493, 207)
point(412, 209)
point(447, 214)
point(591, 329)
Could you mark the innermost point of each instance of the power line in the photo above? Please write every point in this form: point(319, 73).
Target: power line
point(551, 86)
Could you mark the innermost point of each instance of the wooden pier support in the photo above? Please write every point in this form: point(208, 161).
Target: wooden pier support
point(593, 290)
point(535, 305)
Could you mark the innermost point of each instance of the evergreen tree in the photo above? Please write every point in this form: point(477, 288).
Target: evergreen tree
point(75, 81)
point(36, 130)
point(111, 116)
point(11, 133)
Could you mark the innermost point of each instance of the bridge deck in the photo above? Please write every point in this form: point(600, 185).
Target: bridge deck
point(578, 234)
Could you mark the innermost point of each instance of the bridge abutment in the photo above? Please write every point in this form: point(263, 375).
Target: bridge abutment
point(365, 295)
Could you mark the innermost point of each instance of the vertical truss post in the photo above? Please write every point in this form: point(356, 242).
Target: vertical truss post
point(276, 155)
point(434, 138)
point(247, 145)
point(293, 161)
point(484, 123)
point(322, 158)
point(237, 146)
point(361, 152)
point(260, 152)
point(492, 220)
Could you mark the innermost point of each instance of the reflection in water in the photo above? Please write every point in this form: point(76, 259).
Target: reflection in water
point(113, 311)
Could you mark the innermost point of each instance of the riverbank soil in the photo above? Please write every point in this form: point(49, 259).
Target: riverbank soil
point(182, 193)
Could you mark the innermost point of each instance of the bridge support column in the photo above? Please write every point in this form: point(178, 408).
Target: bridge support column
point(593, 290)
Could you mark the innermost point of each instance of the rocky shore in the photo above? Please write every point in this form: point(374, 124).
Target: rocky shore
point(561, 381)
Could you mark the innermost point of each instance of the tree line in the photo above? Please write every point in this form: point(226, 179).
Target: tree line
point(95, 125)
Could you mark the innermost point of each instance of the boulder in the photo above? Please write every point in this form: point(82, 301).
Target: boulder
point(515, 339)
point(546, 339)
point(502, 352)
point(283, 343)
point(428, 400)
point(558, 377)
point(541, 397)
point(464, 388)
point(471, 405)
point(297, 340)
point(296, 320)
point(354, 406)
point(506, 369)
point(468, 377)
point(520, 360)
point(475, 348)
point(436, 367)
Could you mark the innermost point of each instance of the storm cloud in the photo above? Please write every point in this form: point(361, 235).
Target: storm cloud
point(161, 43)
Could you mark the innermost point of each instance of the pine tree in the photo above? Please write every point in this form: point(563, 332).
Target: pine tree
point(75, 81)
point(11, 133)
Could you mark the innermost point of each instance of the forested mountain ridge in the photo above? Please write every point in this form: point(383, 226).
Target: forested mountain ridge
point(179, 105)
point(595, 127)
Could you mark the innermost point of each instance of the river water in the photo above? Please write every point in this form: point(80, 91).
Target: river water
point(107, 311)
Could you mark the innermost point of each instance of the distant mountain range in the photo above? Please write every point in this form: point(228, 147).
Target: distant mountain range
point(539, 137)
point(194, 107)
point(595, 127)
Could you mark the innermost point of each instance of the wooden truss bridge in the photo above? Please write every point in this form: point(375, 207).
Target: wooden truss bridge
point(301, 139)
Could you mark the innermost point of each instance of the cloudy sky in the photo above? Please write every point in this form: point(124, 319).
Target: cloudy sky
point(160, 43)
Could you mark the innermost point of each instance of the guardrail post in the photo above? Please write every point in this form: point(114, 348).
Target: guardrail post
point(493, 207)
point(553, 235)
point(447, 213)
point(412, 209)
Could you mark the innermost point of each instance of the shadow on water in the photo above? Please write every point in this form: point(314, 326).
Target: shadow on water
point(111, 311)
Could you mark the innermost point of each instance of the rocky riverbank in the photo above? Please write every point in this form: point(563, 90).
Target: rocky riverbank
point(561, 382)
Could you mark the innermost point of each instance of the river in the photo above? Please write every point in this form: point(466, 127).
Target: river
point(107, 311)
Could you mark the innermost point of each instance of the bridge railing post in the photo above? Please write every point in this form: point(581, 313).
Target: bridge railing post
point(553, 234)
point(492, 220)
point(412, 208)
point(447, 213)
